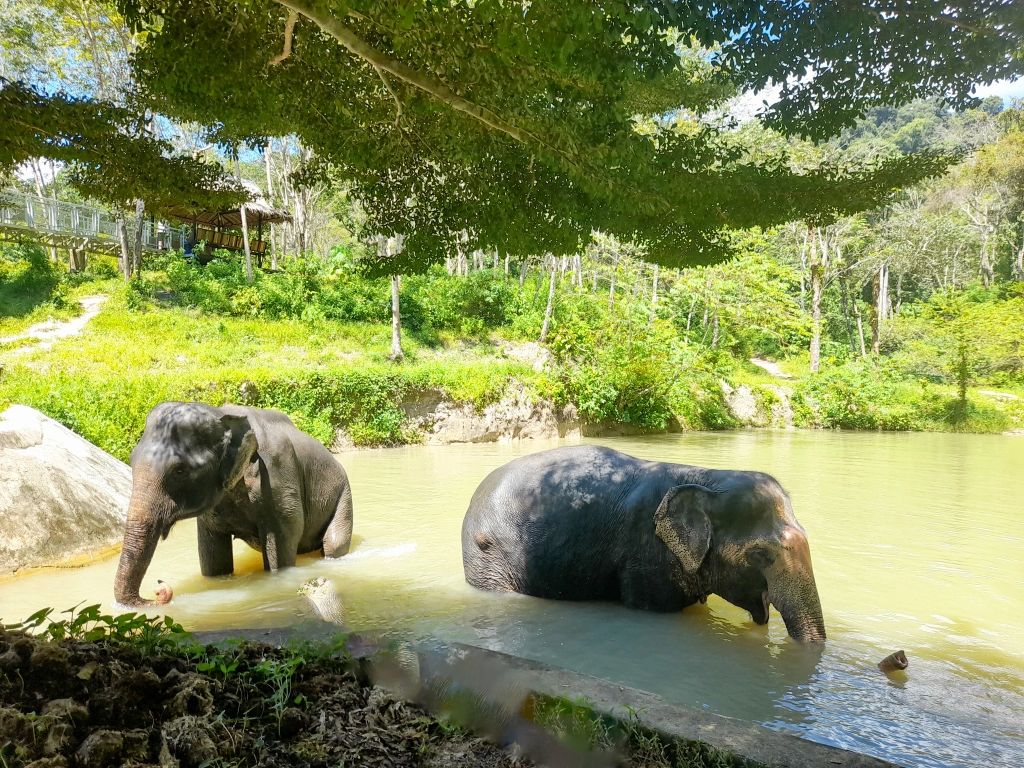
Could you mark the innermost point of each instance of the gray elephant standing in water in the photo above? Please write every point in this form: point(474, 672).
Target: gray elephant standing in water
point(590, 523)
point(244, 473)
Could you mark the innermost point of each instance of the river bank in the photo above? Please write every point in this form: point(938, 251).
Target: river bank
point(337, 382)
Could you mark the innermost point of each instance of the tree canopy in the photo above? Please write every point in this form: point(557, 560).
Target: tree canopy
point(523, 126)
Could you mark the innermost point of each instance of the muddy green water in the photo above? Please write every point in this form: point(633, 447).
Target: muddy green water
point(917, 541)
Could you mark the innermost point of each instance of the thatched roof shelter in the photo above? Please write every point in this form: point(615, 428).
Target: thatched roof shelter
point(213, 227)
point(257, 211)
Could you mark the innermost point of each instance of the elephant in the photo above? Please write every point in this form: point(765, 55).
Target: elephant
point(244, 473)
point(591, 523)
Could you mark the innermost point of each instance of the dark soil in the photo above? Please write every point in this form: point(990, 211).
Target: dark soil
point(92, 705)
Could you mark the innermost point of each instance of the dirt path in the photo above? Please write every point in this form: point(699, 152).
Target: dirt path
point(47, 332)
point(771, 367)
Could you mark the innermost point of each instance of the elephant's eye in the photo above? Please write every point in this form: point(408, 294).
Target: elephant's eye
point(760, 557)
point(180, 470)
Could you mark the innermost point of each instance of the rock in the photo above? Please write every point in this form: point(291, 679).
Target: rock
point(100, 749)
point(49, 762)
point(894, 662)
point(517, 416)
point(763, 405)
point(189, 739)
point(292, 721)
point(191, 695)
point(61, 497)
point(324, 599)
point(66, 709)
point(50, 659)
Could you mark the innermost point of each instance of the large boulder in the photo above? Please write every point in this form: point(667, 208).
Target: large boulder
point(61, 497)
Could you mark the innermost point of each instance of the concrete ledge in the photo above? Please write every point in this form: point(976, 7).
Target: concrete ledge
point(749, 740)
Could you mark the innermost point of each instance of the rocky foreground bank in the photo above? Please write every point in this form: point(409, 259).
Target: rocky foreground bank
point(156, 699)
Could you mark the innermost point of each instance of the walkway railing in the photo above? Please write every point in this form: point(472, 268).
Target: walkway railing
point(70, 225)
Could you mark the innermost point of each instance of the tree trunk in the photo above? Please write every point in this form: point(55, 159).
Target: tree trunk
point(817, 270)
point(611, 289)
point(551, 305)
point(860, 328)
point(506, 265)
point(844, 294)
point(522, 271)
point(714, 333)
point(540, 279)
point(1018, 262)
point(876, 338)
point(245, 228)
point(140, 210)
point(245, 244)
point(987, 271)
point(654, 296)
point(396, 320)
point(126, 258)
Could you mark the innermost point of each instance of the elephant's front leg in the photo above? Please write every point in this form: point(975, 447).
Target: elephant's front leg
point(215, 555)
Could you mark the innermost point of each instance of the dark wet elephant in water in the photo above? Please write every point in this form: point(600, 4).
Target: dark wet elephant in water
point(590, 523)
point(244, 473)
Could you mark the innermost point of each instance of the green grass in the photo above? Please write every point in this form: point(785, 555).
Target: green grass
point(326, 375)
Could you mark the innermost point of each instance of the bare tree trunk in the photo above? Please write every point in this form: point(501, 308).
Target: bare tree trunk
point(654, 296)
point(506, 265)
point(615, 271)
point(714, 333)
point(551, 305)
point(126, 258)
point(396, 319)
point(987, 271)
point(245, 228)
point(522, 271)
point(817, 278)
point(267, 152)
point(860, 328)
point(140, 211)
point(844, 294)
point(273, 248)
point(1018, 262)
point(876, 338)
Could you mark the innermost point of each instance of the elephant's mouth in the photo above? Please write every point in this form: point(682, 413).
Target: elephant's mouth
point(761, 616)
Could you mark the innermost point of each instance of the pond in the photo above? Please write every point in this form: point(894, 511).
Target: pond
point(917, 541)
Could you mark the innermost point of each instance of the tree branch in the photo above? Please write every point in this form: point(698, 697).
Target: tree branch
point(394, 94)
point(289, 28)
point(336, 29)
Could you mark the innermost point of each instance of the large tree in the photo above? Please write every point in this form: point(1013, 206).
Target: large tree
point(523, 126)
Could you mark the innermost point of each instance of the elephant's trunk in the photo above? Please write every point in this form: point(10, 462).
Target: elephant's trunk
point(791, 589)
point(146, 510)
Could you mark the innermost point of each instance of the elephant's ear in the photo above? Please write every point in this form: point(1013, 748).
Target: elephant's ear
point(682, 523)
point(240, 446)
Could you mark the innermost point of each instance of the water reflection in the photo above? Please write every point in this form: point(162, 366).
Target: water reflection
point(917, 544)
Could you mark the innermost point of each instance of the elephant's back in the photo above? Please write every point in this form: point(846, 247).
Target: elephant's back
point(550, 524)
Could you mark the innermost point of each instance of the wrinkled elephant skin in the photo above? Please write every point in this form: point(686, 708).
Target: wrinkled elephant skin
point(590, 523)
point(244, 473)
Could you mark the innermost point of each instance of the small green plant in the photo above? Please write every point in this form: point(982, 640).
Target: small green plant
point(148, 634)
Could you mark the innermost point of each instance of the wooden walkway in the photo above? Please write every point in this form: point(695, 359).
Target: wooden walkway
point(73, 226)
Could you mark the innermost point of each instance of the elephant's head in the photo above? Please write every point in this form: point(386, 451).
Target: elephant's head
point(735, 535)
point(189, 456)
